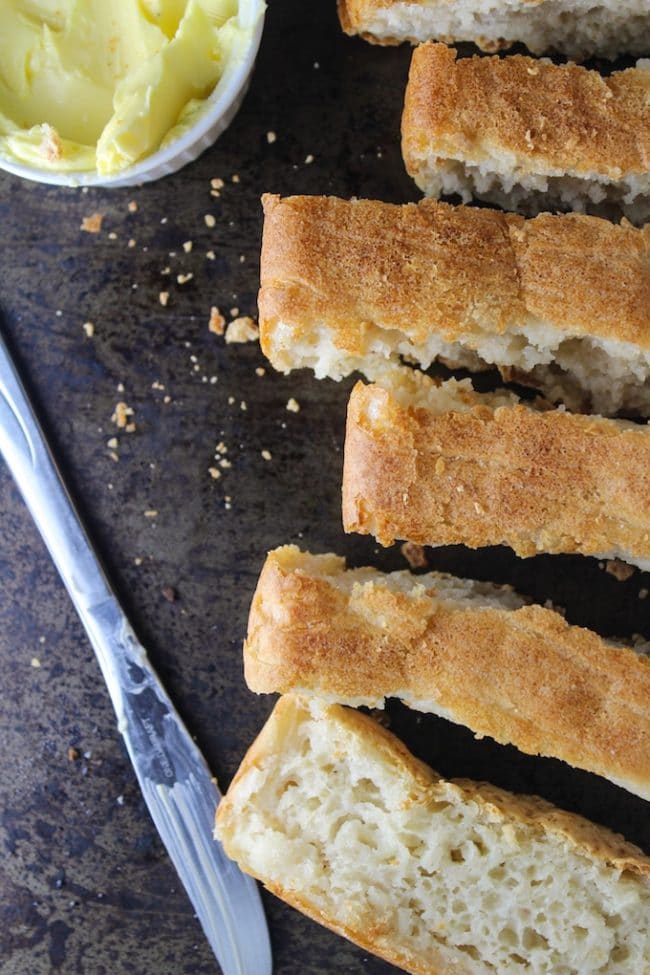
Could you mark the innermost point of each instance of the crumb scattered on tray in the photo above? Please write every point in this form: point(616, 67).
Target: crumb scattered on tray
point(266, 455)
point(209, 220)
point(214, 473)
point(187, 246)
point(169, 593)
point(271, 137)
point(35, 662)
point(643, 593)
point(235, 178)
point(211, 256)
point(93, 223)
point(121, 416)
point(293, 405)
point(73, 754)
point(242, 330)
point(133, 206)
point(151, 513)
point(89, 329)
point(184, 278)
point(414, 555)
point(620, 570)
point(309, 159)
point(163, 298)
point(217, 322)
point(260, 371)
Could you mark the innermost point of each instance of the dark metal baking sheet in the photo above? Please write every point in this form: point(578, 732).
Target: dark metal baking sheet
point(85, 886)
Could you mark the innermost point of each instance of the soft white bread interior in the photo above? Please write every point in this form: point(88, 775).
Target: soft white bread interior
point(577, 28)
point(335, 816)
point(559, 302)
point(440, 464)
point(528, 135)
point(467, 651)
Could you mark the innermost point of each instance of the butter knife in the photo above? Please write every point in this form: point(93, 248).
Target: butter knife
point(176, 783)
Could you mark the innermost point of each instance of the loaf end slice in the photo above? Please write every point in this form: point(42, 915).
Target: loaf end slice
point(332, 813)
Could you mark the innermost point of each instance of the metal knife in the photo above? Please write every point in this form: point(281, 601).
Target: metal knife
point(176, 783)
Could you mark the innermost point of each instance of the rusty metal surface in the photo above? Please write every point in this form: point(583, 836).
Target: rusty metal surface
point(85, 886)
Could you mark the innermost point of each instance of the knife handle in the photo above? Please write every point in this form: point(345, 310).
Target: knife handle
point(175, 781)
point(33, 467)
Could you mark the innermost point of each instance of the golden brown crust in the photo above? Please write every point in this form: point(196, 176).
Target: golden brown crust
point(554, 119)
point(431, 268)
point(538, 482)
point(421, 786)
point(523, 677)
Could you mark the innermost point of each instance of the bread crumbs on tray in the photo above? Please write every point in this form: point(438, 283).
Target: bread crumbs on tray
point(209, 219)
point(271, 137)
point(217, 322)
point(89, 329)
point(620, 570)
point(261, 371)
point(184, 278)
point(293, 406)
point(187, 246)
point(35, 662)
point(163, 298)
point(132, 206)
point(121, 416)
point(214, 473)
point(414, 555)
point(93, 223)
point(242, 330)
point(151, 513)
point(266, 455)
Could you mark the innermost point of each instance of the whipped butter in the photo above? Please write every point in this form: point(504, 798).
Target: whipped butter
point(100, 84)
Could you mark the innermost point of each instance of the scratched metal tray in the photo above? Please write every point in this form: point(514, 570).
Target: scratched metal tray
point(85, 886)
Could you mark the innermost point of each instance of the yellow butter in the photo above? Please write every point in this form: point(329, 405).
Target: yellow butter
point(91, 84)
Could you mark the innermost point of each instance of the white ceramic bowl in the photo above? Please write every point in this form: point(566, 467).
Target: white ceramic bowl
point(220, 109)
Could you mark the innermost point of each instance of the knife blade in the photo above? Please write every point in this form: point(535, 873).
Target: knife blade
point(177, 785)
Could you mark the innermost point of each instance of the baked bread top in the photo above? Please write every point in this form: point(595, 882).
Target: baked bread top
point(536, 481)
point(546, 118)
point(366, 271)
point(466, 651)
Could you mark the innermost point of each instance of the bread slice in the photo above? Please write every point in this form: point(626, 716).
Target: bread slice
point(445, 466)
point(577, 28)
point(559, 302)
point(528, 135)
point(467, 651)
point(336, 817)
